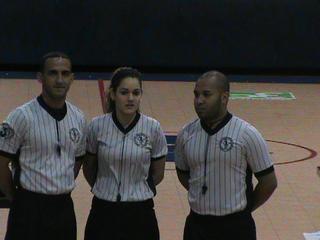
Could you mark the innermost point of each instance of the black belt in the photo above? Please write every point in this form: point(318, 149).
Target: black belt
point(23, 192)
point(232, 216)
point(137, 204)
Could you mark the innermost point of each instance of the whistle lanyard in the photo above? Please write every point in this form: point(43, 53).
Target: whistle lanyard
point(204, 185)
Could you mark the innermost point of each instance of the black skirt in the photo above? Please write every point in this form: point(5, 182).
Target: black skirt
point(122, 221)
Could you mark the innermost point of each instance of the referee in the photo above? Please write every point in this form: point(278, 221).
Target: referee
point(126, 160)
point(43, 139)
point(216, 156)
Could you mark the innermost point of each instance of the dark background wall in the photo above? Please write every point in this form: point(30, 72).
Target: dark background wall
point(168, 35)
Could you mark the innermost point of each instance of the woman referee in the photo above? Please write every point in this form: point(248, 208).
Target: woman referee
point(125, 161)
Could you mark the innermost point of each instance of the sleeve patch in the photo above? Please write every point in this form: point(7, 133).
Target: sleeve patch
point(6, 131)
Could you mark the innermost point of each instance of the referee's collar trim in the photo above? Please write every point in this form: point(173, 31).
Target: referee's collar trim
point(130, 127)
point(224, 122)
point(57, 114)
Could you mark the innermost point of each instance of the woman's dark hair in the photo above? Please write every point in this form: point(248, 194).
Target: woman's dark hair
point(118, 75)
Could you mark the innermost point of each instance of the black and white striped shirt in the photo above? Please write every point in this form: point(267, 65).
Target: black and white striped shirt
point(46, 144)
point(124, 156)
point(232, 151)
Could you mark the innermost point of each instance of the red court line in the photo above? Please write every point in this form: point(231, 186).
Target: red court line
point(312, 153)
point(102, 95)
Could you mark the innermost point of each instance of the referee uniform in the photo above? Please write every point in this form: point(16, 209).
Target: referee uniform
point(44, 144)
point(220, 162)
point(122, 206)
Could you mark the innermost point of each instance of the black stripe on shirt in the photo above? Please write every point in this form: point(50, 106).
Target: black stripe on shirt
point(264, 172)
point(12, 156)
point(157, 158)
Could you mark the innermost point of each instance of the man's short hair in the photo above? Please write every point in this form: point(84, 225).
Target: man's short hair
point(223, 81)
point(52, 55)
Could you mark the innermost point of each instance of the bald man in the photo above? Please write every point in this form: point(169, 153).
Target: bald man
point(216, 156)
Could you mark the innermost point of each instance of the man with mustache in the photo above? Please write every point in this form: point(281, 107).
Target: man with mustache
point(215, 158)
point(44, 140)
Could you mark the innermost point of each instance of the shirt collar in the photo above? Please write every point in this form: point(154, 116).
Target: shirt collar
point(224, 122)
point(119, 125)
point(57, 114)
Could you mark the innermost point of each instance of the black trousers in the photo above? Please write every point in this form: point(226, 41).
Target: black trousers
point(122, 221)
point(234, 226)
point(35, 216)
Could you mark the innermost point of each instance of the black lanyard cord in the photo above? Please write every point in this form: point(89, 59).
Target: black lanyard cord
point(204, 186)
point(121, 163)
point(58, 138)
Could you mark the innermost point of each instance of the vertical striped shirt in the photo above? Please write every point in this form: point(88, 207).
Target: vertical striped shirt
point(46, 147)
point(124, 156)
point(232, 151)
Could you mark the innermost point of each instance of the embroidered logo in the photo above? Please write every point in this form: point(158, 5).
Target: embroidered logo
point(6, 131)
point(74, 135)
point(226, 144)
point(141, 139)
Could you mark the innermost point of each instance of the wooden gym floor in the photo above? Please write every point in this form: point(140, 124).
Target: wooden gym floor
point(291, 126)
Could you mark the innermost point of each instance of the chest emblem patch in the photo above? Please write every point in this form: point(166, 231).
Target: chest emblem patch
point(74, 135)
point(141, 139)
point(226, 144)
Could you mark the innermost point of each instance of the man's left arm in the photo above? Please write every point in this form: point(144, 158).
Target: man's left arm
point(266, 185)
point(260, 162)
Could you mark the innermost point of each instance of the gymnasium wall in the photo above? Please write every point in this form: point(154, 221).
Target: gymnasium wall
point(167, 35)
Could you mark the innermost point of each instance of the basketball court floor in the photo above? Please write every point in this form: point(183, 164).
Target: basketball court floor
point(292, 128)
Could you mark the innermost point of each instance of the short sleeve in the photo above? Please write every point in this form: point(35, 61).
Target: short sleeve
point(92, 141)
point(81, 149)
point(159, 143)
point(13, 131)
point(179, 154)
point(257, 152)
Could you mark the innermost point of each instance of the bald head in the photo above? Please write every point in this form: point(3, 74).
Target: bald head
point(219, 80)
point(211, 95)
